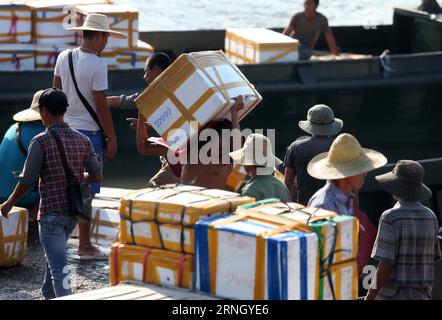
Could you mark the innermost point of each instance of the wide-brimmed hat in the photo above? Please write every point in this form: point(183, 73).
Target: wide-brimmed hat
point(30, 114)
point(405, 181)
point(346, 158)
point(98, 22)
point(321, 121)
point(257, 151)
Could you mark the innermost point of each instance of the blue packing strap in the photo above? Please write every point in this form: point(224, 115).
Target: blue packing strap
point(44, 14)
point(14, 58)
point(283, 260)
point(303, 266)
point(133, 59)
point(273, 273)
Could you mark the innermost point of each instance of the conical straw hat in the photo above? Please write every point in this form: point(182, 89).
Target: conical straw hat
point(346, 158)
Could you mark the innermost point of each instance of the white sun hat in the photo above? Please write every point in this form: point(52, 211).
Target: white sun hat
point(346, 158)
point(257, 151)
point(98, 22)
point(30, 114)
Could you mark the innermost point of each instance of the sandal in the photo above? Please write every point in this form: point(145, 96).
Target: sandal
point(99, 255)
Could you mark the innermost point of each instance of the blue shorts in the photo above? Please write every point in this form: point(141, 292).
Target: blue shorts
point(96, 138)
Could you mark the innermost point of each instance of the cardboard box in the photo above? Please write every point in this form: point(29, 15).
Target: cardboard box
point(338, 243)
point(46, 55)
point(17, 57)
point(50, 18)
point(257, 257)
point(15, 22)
point(122, 18)
point(160, 267)
point(197, 88)
point(13, 237)
point(259, 45)
point(165, 217)
point(105, 223)
point(134, 58)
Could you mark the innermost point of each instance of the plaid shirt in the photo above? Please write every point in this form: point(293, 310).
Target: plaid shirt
point(407, 236)
point(53, 183)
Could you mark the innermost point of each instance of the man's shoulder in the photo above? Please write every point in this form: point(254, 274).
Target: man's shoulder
point(300, 141)
point(321, 17)
point(399, 212)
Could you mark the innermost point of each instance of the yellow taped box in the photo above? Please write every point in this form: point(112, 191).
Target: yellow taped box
point(337, 242)
point(121, 18)
point(134, 58)
point(165, 217)
point(259, 45)
point(13, 237)
point(105, 222)
point(17, 57)
point(155, 266)
point(197, 88)
point(15, 22)
point(51, 17)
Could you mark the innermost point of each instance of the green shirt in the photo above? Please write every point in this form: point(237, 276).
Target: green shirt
point(265, 187)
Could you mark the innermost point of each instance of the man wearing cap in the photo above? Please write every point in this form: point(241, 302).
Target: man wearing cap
point(259, 161)
point(82, 75)
point(321, 124)
point(344, 167)
point(44, 164)
point(407, 244)
point(13, 153)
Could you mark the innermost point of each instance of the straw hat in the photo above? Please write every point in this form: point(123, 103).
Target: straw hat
point(405, 181)
point(321, 121)
point(32, 113)
point(98, 22)
point(257, 151)
point(346, 158)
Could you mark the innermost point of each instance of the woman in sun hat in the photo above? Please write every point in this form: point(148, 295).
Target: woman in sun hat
point(259, 161)
point(344, 167)
point(322, 126)
point(13, 151)
point(407, 244)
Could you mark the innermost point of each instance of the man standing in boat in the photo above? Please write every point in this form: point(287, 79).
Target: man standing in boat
point(306, 26)
point(82, 74)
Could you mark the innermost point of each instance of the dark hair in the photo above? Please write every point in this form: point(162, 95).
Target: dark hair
point(316, 2)
point(55, 110)
point(159, 59)
point(89, 34)
point(55, 101)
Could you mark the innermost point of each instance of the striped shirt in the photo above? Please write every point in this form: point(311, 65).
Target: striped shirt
point(407, 237)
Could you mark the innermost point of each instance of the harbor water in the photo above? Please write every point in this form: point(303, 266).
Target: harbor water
point(158, 15)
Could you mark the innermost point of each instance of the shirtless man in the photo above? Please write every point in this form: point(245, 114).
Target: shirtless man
point(214, 176)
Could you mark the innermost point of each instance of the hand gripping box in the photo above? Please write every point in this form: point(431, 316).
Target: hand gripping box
point(121, 18)
point(197, 88)
point(259, 45)
point(134, 58)
point(17, 57)
point(51, 17)
point(256, 256)
point(147, 265)
point(165, 217)
point(105, 222)
point(13, 237)
point(15, 22)
point(338, 244)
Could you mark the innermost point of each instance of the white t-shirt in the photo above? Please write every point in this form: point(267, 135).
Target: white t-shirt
point(91, 75)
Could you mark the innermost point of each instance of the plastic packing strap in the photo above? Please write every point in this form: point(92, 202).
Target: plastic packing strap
point(285, 225)
point(133, 59)
point(8, 257)
point(13, 28)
